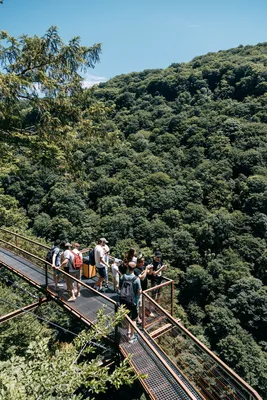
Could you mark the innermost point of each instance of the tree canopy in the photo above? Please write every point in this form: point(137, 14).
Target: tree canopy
point(172, 159)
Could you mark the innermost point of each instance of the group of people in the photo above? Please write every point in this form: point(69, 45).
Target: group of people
point(64, 260)
point(130, 275)
point(133, 269)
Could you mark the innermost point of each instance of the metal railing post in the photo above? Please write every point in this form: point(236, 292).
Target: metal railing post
point(46, 276)
point(172, 298)
point(143, 311)
point(116, 332)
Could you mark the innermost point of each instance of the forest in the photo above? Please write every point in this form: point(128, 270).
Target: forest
point(172, 159)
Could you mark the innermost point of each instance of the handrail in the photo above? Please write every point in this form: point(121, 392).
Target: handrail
point(232, 373)
point(61, 271)
point(21, 310)
point(168, 282)
point(144, 339)
point(23, 237)
point(158, 286)
point(177, 379)
point(24, 251)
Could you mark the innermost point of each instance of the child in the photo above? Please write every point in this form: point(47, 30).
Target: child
point(106, 259)
point(115, 274)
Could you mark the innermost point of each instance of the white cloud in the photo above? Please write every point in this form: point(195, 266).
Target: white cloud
point(91, 80)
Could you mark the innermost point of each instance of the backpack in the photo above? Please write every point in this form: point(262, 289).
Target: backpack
point(91, 258)
point(77, 260)
point(49, 255)
point(127, 295)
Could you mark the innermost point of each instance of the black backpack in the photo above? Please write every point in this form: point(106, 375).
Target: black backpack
point(49, 255)
point(91, 258)
point(127, 295)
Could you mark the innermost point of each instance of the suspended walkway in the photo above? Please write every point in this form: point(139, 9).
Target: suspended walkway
point(189, 371)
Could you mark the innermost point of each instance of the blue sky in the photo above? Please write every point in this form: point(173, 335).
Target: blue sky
point(141, 34)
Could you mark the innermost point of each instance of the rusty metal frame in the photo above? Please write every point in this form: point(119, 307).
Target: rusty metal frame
point(21, 310)
point(236, 377)
point(25, 238)
point(52, 294)
point(158, 286)
point(80, 316)
point(61, 271)
point(225, 367)
point(166, 283)
point(25, 251)
point(144, 339)
point(161, 330)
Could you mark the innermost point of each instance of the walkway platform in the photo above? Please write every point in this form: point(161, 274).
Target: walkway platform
point(163, 382)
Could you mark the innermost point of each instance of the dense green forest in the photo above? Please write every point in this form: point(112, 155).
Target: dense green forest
point(174, 159)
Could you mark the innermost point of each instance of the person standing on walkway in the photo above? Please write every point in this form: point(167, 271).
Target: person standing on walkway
point(76, 272)
point(56, 262)
point(141, 272)
point(130, 291)
point(67, 263)
point(115, 274)
point(106, 259)
point(130, 256)
point(100, 263)
point(155, 270)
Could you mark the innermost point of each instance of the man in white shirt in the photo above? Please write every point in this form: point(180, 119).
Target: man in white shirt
point(101, 264)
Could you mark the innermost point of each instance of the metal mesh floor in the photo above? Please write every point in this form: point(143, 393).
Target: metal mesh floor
point(159, 382)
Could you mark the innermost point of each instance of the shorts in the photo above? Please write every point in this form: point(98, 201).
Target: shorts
point(133, 314)
point(67, 269)
point(116, 281)
point(155, 292)
point(102, 272)
point(76, 274)
point(57, 271)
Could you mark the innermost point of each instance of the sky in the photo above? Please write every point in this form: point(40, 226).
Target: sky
point(141, 34)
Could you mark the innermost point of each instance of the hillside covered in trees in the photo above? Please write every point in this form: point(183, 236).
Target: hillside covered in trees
point(174, 159)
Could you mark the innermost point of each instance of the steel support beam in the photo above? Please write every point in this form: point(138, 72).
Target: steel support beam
point(21, 310)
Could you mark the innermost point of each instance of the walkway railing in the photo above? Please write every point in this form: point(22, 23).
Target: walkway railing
point(211, 376)
point(202, 368)
point(164, 293)
point(142, 351)
point(44, 273)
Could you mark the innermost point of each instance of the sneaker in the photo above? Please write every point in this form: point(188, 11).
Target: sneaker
point(152, 314)
point(72, 299)
point(133, 339)
point(96, 288)
point(139, 321)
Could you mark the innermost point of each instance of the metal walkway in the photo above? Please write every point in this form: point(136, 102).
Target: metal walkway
point(165, 380)
point(161, 383)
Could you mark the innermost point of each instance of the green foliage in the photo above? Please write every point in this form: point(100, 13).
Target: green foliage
point(172, 159)
point(34, 366)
